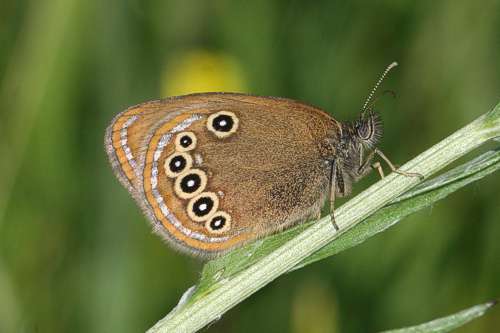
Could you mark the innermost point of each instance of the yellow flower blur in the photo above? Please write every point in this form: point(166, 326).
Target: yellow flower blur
point(202, 71)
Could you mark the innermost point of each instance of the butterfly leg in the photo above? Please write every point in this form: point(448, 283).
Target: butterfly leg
point(333, 182)
point(366, 166)
point(393, 168)
point(332, 209)
point(378, 167)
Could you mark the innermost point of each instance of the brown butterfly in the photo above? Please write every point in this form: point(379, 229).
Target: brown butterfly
point(214, 171)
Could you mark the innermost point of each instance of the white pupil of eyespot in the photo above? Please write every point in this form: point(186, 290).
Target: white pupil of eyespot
point(190, 183)
point(223, 122)
point(203, 206)
point(217, 223)
point(177, 163)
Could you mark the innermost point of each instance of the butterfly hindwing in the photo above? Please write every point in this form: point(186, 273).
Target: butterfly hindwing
point(217, 170)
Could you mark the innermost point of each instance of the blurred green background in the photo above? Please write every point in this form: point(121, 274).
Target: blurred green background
point(76, 255)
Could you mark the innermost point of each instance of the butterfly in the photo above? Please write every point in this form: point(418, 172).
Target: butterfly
point(214, 171)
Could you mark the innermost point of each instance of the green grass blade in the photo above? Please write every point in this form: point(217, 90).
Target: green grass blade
point(448, 323)
point(423, 196)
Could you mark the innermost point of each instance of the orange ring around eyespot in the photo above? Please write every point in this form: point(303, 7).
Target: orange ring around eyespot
point(215, 204)
point(184, 195)
point(225, 228)
point(172, 174)
point(178, 145)
point(221, 134)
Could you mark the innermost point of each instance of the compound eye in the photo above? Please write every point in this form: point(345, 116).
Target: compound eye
point(185, 141)
point(201, 207)
point(177, 163)
point(190, 183)
point(364, 129)
point(219, 223)
point(222, 123)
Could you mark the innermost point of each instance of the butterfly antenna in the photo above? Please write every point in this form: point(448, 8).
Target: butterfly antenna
point(380, 80)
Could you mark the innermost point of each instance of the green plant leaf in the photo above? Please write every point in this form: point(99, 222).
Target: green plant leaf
point(448, 323)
